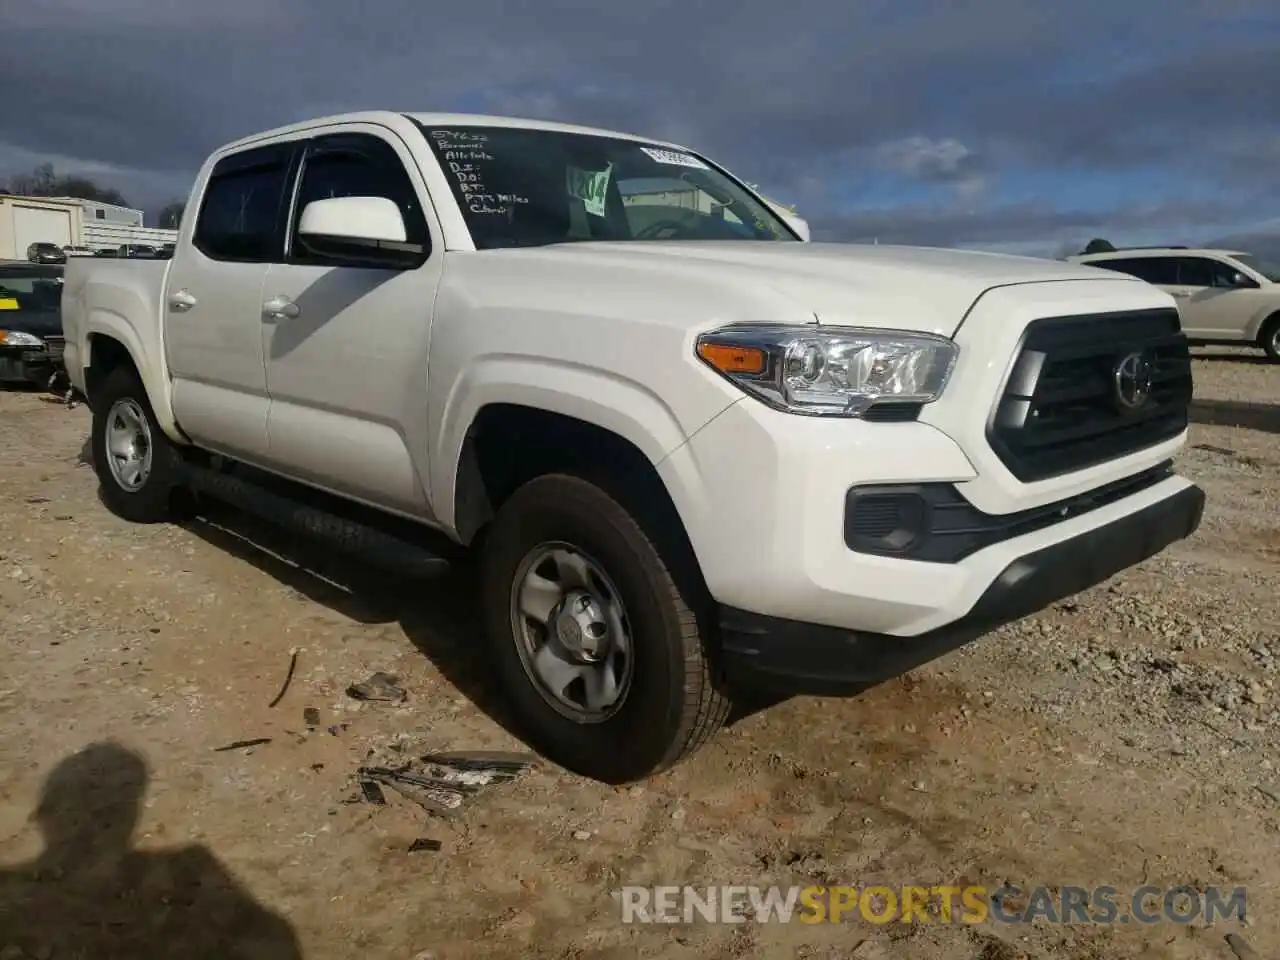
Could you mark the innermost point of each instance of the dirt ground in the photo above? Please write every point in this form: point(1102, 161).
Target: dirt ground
point(1127, 736)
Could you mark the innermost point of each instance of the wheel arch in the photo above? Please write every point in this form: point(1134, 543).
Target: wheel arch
point(1268, 334)
point(1264, 323)
point(1261, 321)
point(109, 346)
point(508, 444)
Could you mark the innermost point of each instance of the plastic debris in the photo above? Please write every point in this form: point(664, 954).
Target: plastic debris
point(379, 686)
point(442, 783)
point(424, 843)
point(434, 796)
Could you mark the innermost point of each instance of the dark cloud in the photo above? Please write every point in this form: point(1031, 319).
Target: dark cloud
point(820, 101)
point(1176, 113)
point(1264, 243)
point(1034, 224)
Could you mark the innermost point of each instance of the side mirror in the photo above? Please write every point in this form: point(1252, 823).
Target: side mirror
point(371, 219)
point(361, 229)
point(790, 219)
point(798, 224)
point(1240, 280)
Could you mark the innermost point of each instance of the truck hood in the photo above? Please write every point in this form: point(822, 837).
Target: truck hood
point(916, 288)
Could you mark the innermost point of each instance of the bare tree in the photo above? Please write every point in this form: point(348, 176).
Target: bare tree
point(44, 181)
point(170, 216)
point(36, 183)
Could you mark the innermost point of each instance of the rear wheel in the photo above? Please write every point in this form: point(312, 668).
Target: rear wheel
point(1269, 338)
point(137, 465)
point(595, 643)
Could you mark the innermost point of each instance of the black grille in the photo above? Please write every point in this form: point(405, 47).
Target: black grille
point(1062, 410)
point(56, 346)
point(877, 517)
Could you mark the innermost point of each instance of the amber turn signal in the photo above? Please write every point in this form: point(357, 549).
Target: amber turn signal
point(728, 358)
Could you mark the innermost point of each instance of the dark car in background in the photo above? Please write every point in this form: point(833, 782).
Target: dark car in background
point(46, 253)
point(31, 341)
point(136, 251)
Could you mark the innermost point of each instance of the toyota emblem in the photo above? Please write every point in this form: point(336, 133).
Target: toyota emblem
point(1133, 381)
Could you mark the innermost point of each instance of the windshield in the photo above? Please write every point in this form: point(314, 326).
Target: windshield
point(30, 287)
point(521, 187)
point(1269, 270)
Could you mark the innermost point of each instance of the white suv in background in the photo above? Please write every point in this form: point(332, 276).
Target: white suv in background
point(1224, 296)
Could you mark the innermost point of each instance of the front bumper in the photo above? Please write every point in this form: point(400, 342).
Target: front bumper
point(27, 365)
point(789, 656)
point(763, 496)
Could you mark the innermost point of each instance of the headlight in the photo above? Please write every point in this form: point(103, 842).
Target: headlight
point(829, 371)
point(16, 338)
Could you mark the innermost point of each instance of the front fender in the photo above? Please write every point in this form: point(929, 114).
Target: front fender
point(1254, 329)
point(608, 400)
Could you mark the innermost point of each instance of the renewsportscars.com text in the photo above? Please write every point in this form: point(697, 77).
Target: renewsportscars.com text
point(969, 904)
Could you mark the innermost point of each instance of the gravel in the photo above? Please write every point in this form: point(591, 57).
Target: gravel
point(1126, 735)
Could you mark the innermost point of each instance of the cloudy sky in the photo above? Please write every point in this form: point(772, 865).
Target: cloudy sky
point(1025, 125)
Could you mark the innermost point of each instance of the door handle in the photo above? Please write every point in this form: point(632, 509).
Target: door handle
point(181, 301)
point(280, 308)
point(1181, 294)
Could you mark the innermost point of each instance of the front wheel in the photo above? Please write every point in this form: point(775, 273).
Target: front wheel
point(137, 465)
point(596, 645)
point(1269, 338)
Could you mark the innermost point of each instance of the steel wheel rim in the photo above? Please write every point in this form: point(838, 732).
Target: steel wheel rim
point(128, 445)
point(1275, 340)
point(572, 633)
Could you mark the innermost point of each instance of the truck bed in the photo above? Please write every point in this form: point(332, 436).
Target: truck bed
point(127, 298)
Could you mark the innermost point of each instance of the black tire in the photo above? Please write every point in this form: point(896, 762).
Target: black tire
point(673, 705)
point(1269, 338)
point(153, 500)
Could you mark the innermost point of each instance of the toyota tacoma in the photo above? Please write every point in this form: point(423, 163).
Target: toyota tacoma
point(693, 454)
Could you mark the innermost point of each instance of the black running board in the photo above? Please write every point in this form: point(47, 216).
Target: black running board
point(357, 540)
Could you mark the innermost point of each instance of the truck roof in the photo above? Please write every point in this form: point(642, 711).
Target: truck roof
point(392, 118)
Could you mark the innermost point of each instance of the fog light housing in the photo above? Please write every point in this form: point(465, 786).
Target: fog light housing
point(885, 520)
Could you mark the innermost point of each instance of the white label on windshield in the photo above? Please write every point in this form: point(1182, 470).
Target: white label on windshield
point(674, 158)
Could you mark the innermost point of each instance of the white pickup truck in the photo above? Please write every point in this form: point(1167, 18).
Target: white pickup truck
point(696, 454)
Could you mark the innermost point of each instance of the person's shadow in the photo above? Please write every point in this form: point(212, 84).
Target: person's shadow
point(91, 895)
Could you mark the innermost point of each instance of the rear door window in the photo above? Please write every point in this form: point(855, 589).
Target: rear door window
point(242, 212)
point(1195, 272)
point(1157, 270)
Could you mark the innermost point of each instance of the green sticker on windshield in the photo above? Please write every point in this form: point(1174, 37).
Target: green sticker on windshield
point(589, 186)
